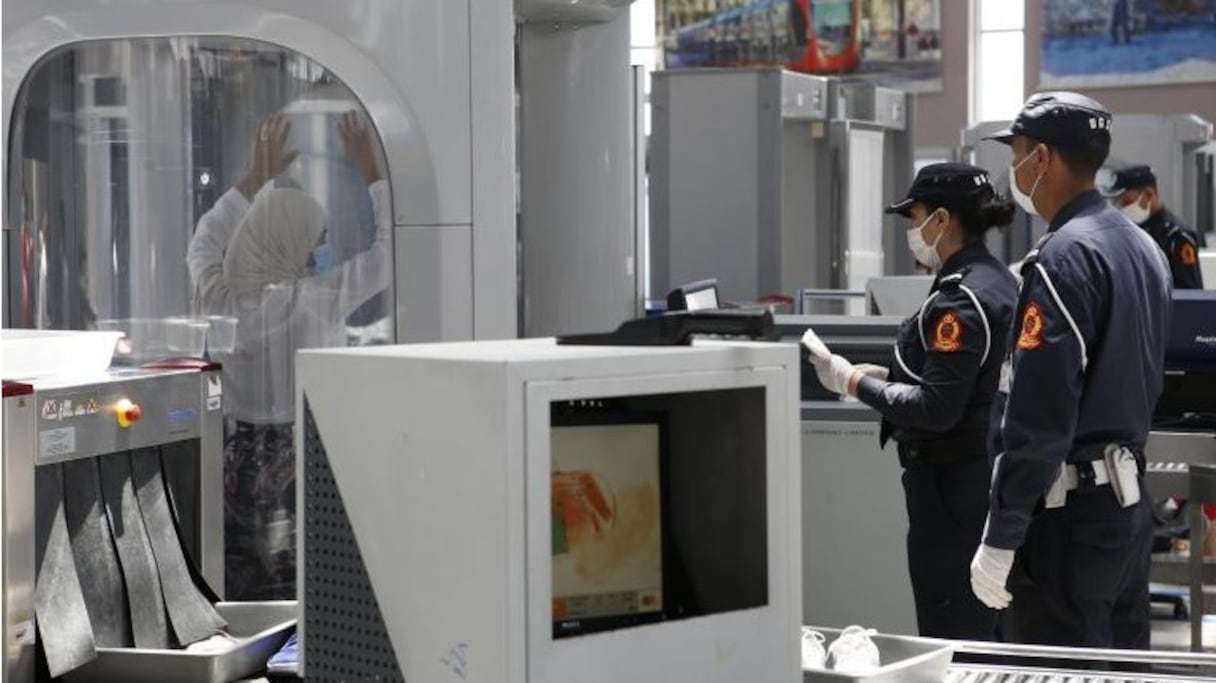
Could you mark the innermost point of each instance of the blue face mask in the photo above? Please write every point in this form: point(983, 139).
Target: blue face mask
point(322, 259)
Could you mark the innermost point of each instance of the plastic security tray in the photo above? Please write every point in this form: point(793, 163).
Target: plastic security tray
point(901, 659)
point(33, 354)
point(260, 627)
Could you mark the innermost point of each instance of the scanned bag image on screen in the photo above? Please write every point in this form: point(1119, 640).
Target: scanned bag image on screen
point(657, 509)
point(607, 524)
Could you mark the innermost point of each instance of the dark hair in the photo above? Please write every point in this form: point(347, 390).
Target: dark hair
point(1088, 158)
point(980, 212)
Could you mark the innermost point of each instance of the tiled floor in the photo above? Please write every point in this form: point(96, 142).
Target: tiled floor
point(1175, 634)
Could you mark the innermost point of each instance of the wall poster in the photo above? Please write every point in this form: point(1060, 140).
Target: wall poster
point(1101, 43)
point(896, 43)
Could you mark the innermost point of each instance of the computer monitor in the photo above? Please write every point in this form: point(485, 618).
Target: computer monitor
point(900, 295)
point(609, 526)
point(1192, 334)
point(1187, 399)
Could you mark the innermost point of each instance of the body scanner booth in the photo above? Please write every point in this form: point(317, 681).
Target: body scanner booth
point(127, 121)
point(772, 182)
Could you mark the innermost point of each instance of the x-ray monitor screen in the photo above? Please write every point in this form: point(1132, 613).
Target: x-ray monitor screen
point(607, 523)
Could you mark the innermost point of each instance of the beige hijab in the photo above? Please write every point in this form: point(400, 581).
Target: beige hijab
point(273, 242)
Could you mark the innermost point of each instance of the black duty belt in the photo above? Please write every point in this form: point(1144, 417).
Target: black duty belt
point(1083, 459)
point(945, 451)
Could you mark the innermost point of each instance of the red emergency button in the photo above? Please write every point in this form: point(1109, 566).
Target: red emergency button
point(126, 412)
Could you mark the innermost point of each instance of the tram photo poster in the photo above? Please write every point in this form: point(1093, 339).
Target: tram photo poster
point(1088, 43)
point(895, 43)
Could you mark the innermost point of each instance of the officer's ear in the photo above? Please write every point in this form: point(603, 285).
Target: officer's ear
point(946, 218)
point(1149, 193)
point(1046, 156)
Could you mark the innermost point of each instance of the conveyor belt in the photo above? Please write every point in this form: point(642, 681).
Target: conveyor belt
point(986, 674)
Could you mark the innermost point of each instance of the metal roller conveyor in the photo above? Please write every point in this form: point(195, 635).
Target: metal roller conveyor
point(1166, 667)
point(983, 674)
point(1166, 479)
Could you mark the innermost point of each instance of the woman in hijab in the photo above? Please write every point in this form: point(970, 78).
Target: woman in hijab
point(258, 261)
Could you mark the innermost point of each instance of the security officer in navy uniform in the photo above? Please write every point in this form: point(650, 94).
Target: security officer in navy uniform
point(937, 397)
point(1134, 191)
point(1067, 542)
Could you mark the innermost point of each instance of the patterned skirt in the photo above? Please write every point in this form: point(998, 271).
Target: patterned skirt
point(259, 511)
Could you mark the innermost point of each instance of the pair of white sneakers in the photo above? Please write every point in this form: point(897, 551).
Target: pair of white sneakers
point(854, 652)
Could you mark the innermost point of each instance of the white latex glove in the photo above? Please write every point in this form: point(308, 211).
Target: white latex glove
point(875, 371)
point(820, 354)
point(989, 570)
point(835, 374)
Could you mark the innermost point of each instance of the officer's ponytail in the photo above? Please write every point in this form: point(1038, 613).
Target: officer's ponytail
point(980, 212)
point(996, 211)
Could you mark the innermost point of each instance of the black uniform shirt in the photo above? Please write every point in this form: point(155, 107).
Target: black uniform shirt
point(948, 356)
point(1087, 359)
point(1181, 247)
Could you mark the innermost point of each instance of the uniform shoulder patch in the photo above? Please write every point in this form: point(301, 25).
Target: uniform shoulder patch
point(1186, 253)
point(948, 333)
point(1031, 336)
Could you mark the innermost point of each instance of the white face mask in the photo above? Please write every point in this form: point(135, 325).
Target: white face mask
point(1025, 201)
point(923, 251)
point(1136, 213)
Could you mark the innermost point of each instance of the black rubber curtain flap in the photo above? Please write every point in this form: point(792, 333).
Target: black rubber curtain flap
point(101, 581)
point(149, 621)
point(191, 615)
point(112, 566)
point(63, 620)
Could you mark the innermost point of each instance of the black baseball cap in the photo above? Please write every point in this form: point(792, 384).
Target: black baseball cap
point(1129, 178)
point(945, 184)
point(1067, 120)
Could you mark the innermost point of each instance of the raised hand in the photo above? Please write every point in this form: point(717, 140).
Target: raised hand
point(268, 155)
point(358, 146)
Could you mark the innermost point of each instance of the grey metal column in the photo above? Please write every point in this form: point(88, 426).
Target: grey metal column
point(576, 176)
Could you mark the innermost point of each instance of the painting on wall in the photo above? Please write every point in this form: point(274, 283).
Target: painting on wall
point(1101, 43)
point(896, 43)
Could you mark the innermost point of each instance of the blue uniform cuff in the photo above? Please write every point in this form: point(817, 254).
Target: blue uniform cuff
point(869, 391)
point(1006, 530)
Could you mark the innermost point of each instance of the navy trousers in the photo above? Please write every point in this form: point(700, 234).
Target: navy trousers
point(947, 506)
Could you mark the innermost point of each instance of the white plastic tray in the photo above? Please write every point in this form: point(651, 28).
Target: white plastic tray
point(902, 659)
point(152, 339)
point(32, 354)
